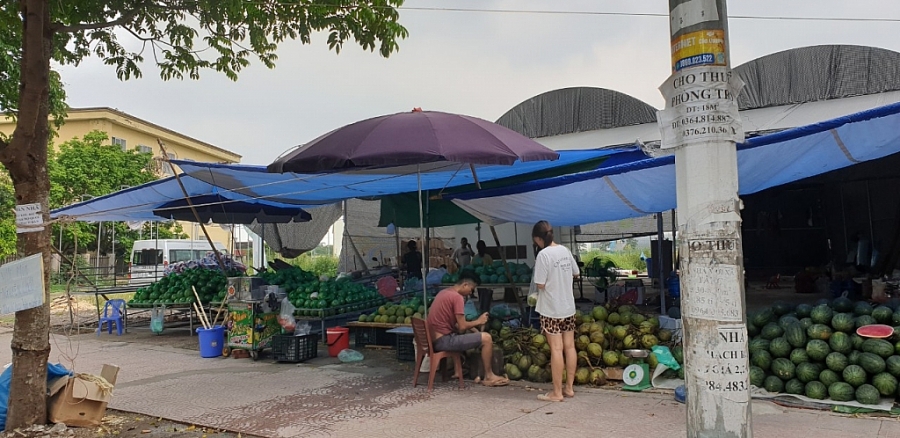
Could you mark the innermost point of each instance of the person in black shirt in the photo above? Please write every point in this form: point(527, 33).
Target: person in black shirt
point(412, 260)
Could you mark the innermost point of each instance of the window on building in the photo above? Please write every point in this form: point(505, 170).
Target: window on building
point(166, 167)
point(120, 142)
point(144, 149)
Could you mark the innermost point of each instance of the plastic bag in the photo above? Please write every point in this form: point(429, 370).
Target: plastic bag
point(348, 355)
point(471, 310)
point(532, 295)
point(435, 276)
point(302, 329)
point(664, 356)
point(286, 316)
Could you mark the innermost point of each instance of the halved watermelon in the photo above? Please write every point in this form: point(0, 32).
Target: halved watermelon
point(879, 331)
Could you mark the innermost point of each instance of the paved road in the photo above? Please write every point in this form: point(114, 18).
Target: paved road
point(375, 398)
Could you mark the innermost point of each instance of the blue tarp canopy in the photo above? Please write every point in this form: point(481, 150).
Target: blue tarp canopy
point(647, 185)
point(240, 183)
point(622, 182)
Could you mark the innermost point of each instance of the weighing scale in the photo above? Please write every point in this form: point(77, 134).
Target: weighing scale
point(637, 374)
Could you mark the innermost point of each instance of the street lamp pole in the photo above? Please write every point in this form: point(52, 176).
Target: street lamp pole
point(702, 125)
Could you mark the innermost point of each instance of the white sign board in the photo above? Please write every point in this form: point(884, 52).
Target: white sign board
point(701, 106)
point(29, 218)
point(23, 284)
point(721, 366)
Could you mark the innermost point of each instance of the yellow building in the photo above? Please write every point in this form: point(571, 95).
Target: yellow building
point(131, 132)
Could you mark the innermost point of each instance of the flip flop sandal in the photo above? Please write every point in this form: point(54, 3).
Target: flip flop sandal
point(546, 398)
point(495, 383)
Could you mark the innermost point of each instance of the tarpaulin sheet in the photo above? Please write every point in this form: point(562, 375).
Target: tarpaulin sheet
point(648, 185)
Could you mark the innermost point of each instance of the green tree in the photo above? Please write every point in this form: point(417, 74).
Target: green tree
point(181, 37)
point(7, 217)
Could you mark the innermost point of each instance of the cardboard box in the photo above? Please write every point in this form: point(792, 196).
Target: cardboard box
point(614, 373)
point(79, 402)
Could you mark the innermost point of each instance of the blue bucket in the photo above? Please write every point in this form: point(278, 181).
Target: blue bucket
point(212, 341)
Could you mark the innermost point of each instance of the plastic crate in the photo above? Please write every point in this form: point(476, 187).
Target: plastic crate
point(363, 336)
point(287, 348)
point(406, 351)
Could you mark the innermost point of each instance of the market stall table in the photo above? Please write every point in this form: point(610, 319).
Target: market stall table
point(134, 309)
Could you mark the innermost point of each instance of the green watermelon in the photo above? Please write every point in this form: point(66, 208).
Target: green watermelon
point(773, 384)
point(843, 322)
point(885, 383)
point(864, 320)
point(762, 359)
point(803, 310)
point(816, 390)
point(794, 386)
point(795, 335)
point(771, 331)
point(819, 331)
point(781, 308)
point(857, 341)
point(758, 344)
point(842, 304)
point(798, 356)
point(752, 330)
point(807, 372)
point(828, 377)
point(892, 365)
point(854, 375)
point(757, 376)
point(882, 314)
point(862, 308)
point(867, 395)
point(878, 346)
point(783, 368)
point(853, 357)
point(872, 363)
point(787, 320)
point(841, 391)
point(821, 314)
point(763, 317)
point(840, 342)
point(817, 349)
point(779, 347)
point(895, 318)
point(806, 323)
point(836, 361)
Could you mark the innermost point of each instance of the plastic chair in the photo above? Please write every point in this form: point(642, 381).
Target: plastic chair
point(113, 312)
point(422, 333)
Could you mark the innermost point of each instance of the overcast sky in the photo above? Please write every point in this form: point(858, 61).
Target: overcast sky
point(475, 63)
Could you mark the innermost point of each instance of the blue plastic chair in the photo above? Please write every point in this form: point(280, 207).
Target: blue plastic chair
point(113, 312)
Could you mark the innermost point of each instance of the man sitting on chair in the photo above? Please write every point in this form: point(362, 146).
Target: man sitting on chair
point(451, 331)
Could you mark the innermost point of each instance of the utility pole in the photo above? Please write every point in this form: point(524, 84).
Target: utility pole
point(701, 124)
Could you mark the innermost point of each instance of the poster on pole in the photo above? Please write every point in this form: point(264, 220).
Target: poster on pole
point(23, 284)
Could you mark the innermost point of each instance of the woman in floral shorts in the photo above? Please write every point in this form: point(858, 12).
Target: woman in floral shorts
point(554, 269)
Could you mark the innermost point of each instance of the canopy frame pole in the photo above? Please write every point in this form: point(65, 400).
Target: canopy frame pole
point(659, 263)
point(500, 250)
point(187, 198)
point(422, 230)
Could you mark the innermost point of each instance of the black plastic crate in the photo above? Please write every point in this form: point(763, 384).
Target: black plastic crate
point(363, 336)
point(405, 349)
point(287, 348)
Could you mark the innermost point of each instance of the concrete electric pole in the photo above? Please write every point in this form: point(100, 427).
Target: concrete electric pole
point(701, 124)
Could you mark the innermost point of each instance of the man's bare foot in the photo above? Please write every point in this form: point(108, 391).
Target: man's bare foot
point(548, 397)
point(569, 392)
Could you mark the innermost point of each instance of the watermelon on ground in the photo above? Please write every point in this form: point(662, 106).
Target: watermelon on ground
point(854, 375)
point(828, 377)
point(867, 394)
point(841, 391)
point(816, 390)
point(773, 384)
point(885, 383)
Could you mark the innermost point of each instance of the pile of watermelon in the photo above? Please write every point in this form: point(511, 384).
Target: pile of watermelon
point(813, 350)
point(494, 273)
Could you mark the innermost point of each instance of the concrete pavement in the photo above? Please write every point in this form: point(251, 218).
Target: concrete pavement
point(375, 398)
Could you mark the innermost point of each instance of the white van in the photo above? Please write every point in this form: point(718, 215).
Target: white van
point(149, 258)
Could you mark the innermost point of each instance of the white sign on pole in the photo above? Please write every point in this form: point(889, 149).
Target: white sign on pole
point(23, 284)
point(29, 218)
point(701, 106)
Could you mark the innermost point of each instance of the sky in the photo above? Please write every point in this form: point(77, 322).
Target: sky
point(475, 63)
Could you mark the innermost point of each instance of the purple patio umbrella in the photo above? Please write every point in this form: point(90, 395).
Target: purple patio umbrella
point(413, 138)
